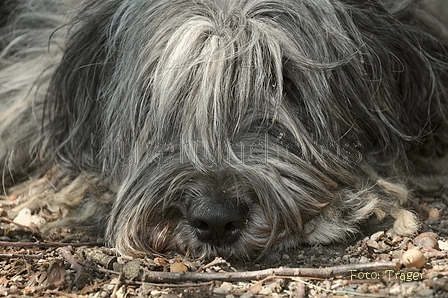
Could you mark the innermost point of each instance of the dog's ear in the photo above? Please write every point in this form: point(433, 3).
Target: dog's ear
point(73, 99)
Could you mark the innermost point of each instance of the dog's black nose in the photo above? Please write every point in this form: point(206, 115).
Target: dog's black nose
point(217, 223)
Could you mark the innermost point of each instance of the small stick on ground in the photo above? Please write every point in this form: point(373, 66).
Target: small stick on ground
point(117, 285)
point(61, 294)
point(216, 261)
point(261, 274)
point(178, 286)
point(65, 252)
point(82, 278)
point(22, 256)
point(47, 244)
point(99, 257)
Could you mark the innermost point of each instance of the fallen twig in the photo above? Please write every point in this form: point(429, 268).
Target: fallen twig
point(216, 261)
point(117, 286)
point(82, 278)
point(168, 277)
point(177, 286)
point(99, 257)
point(61, 293)
point(12, 256)
point(300, 292)
point(47, 244)
point(152, 276)
point(65, 252)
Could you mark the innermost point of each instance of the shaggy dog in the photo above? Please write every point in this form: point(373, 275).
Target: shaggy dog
point(220, 127)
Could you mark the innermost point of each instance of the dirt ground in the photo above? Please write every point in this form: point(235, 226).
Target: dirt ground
point(68, 264)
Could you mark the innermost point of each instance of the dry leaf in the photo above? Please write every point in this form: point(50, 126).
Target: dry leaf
point(178, 267)
point(160, 262)
point(256, 288)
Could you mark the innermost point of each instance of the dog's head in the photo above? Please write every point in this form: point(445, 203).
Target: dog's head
point(269, 198)
point(236, 126)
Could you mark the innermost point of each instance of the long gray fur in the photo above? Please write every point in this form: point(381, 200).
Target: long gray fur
point(128, 116)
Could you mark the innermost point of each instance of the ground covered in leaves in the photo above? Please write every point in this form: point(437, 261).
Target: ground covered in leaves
point(68, 264)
